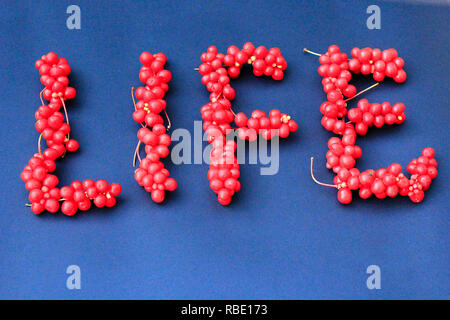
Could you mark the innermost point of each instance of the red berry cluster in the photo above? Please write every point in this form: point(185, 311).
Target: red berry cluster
point(334, 70)
point(375, 114)
point(223, 170)
point(217, 116)
point(342, 153)
point(387, 182)
point(276, 123)
point(54, 73)
point(216, 70)
point(264, 62)
point(364, 116)
point(423, 170)
point(50, 123)
point(44, 195)
point(379, 63)
point(151, 173)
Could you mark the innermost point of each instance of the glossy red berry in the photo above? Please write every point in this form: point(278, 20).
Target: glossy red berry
point(69, 208)
point(72, 145)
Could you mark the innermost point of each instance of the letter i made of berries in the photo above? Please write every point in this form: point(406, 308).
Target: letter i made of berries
point(151, 173)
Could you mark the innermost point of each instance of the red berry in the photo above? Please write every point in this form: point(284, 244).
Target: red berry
point(100, 200)
point(51, 205)
point(69, 208)
point(344, 196)
point(72, 145)
point(37, 208)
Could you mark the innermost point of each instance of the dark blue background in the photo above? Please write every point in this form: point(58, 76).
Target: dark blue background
point(283, 236)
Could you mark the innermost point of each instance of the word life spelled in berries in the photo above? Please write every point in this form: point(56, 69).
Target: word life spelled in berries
point(151, 173)
point(216, 70)
point(55, 129)
point(336, 70)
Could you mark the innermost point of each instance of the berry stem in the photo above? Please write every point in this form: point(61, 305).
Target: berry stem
point(67, 119)
point(366, 89)
point(40, 95)
point(311, 52)
point(65, 110)
point(217, 98)
point(168, 119)
point(29, 204)
point(136, 153)
point(132, 97)
point(39, 143)
point(318, 182)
